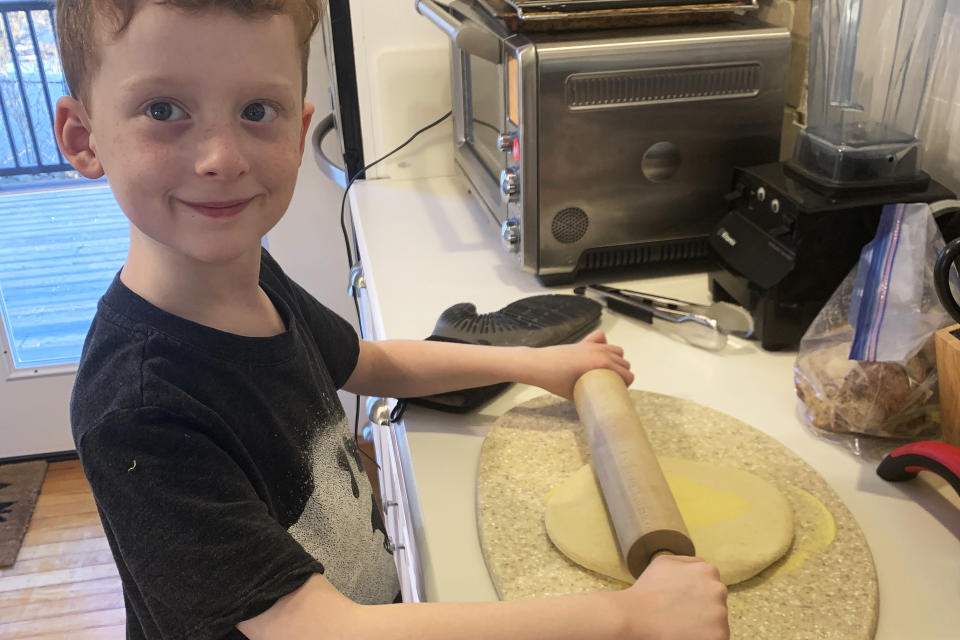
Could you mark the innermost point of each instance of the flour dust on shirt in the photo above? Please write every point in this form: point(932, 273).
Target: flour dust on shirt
point(341, 514)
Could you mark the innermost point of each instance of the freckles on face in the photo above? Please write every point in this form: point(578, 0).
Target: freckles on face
point(136, 166)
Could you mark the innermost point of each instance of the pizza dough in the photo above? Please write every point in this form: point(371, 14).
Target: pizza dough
point(737, 521)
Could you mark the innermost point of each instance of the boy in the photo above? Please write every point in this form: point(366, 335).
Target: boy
point(205, 410)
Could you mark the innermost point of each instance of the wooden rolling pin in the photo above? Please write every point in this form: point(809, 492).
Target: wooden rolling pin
point(644, 513)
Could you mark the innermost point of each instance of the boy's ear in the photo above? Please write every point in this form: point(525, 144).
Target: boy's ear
point(75, 139)
point(308, 110)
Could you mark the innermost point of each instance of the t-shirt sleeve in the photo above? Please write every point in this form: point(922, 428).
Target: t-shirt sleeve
point(336, 338)
point(196, 538)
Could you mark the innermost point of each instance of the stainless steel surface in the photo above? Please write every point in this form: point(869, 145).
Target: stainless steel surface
point(626, 139)
point(471, 160)
point(730, 318)
point(593, 164)
point(468, 36)
point(356, 280)
point(533, 6)
point(505, 141)
point(509, 183)
point(324, 128)
point(510, 235)
point(378, 410)
point(693, 328)
point(620, 154)
point(438, 16)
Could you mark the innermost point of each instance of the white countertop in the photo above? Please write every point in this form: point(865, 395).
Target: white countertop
point(427, 244)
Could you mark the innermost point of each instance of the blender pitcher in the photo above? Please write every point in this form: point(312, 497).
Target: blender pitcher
point(868, 70)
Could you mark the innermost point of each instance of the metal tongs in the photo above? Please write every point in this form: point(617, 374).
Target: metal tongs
point(701, 325)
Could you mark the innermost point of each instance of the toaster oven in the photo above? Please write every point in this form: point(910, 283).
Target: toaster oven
point(609, 147)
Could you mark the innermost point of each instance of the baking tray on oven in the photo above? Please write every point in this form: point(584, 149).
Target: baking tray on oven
point(564, 15)
point(584, 5)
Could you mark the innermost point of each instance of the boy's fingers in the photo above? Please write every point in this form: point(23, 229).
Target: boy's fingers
point(617, 350)
point(597, 336)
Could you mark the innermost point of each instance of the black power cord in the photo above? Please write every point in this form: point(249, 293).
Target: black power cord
point(350, 262)
point(343, 202)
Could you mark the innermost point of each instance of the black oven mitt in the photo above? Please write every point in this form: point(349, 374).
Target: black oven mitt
point(537, 321)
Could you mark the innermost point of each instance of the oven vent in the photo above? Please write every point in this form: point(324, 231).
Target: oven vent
point(643, 254)
point(658, 86)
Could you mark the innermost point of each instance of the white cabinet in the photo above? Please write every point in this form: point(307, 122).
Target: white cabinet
point(393, 486)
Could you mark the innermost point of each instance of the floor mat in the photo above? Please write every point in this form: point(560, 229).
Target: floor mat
point(20, 484)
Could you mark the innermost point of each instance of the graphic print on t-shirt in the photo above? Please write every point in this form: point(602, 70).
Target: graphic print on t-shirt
point(336, 526)
point(344, 464)
point(376, 518)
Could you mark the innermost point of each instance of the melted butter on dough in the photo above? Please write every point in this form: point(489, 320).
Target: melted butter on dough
point(737, 521)
point(703, 505)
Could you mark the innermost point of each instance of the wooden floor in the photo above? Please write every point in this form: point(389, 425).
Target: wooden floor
point(64, 585)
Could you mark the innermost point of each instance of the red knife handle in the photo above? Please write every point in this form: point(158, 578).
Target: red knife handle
point(905, 462)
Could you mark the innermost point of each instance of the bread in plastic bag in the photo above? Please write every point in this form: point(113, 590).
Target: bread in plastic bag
point(867, 363)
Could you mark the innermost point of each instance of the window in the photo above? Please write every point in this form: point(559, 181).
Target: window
point(62, 237)
point(59, 250)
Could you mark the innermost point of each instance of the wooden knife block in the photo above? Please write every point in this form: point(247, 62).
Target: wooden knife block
point(947, 342)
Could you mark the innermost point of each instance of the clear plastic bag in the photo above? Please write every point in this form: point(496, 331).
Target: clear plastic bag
point(867, 364)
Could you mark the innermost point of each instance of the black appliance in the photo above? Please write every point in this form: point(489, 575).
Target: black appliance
point(794, 230)
point(787, 246)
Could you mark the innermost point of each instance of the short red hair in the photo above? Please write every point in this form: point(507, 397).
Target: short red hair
point(78, 20)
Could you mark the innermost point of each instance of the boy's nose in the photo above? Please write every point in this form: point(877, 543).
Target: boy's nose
point(221, 155)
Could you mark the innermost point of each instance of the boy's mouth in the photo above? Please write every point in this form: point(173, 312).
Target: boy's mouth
point(222, 209)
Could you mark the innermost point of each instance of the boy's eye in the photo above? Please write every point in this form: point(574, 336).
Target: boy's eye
point(259, 112)
point(165, 111)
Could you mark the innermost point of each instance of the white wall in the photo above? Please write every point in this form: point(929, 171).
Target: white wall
point(403, 83)
point(35, 414)
point(307, 242)
point(939, 129)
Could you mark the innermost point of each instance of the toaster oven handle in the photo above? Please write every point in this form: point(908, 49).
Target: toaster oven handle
point(467, 35)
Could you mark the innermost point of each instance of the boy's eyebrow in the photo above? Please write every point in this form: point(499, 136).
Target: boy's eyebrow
point(143, 83)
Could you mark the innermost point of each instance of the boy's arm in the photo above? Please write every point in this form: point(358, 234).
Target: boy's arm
point(410, 368)
point(675, 599)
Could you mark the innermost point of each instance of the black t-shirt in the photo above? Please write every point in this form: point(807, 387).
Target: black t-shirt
point(223, 467)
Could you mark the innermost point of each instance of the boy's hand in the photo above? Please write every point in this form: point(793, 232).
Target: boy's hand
point(679, 598)
point(557, 368)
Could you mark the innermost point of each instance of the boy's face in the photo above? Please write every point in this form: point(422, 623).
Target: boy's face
point(199, 124)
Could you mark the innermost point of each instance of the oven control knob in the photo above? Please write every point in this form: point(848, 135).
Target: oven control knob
point(510, 234)
point(505, 141)
point(510, 184)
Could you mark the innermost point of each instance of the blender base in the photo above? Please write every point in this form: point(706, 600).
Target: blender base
point(785, 247)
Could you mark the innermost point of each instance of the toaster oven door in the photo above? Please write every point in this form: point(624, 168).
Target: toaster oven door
point(484, 66)
point(496, 139)
point(478, 126)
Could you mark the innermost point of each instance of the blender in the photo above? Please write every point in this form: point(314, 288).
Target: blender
point(795, 228)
